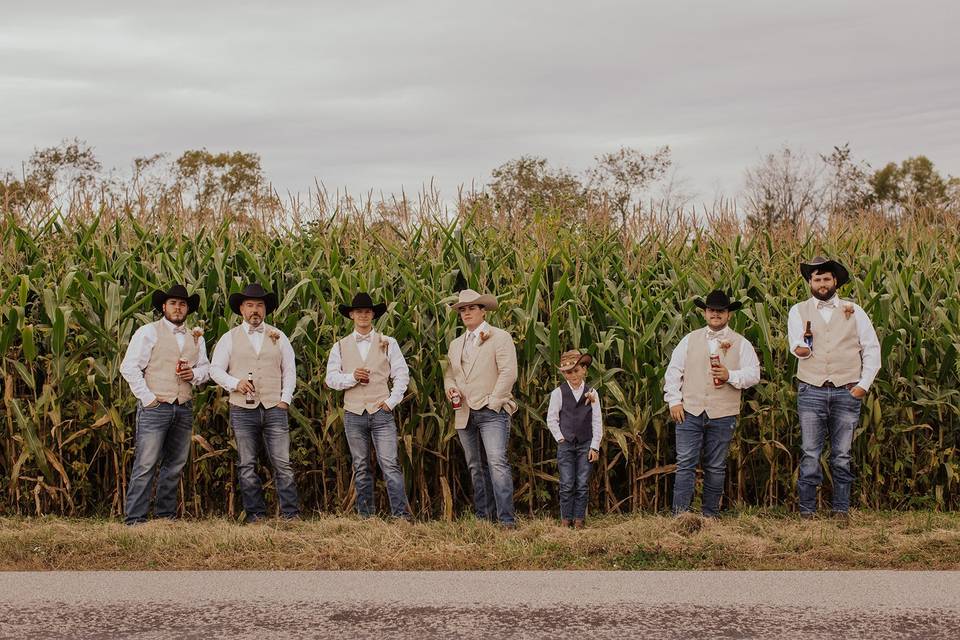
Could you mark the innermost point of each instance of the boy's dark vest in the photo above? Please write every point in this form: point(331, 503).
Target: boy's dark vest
point(576, 416)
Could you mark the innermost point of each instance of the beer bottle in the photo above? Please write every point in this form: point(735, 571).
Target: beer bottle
point(251, 395)
point(808, 337)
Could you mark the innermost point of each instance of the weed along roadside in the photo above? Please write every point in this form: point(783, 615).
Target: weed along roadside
point(871, 540)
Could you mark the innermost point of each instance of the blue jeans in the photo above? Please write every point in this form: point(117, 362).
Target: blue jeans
point(574, 470)
point(826, 411)
point(251, 426)
point(381, 428)
point(713, 436)
point(162, 439)
point(484, 442)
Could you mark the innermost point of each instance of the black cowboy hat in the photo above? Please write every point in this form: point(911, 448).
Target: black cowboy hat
point(821, 264)
point(179, 292)
point(718, 300)
point(363, 301)
point(253, 292)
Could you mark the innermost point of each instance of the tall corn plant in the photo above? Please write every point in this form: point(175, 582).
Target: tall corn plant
point(74, 289)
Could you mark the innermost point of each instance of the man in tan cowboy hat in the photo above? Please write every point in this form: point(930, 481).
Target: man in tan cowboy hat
point(164, 361)
point(574, 418)
point(361, 365)
point(255, 363)
point(702, 386)
point(481, 371)
point(838, 357)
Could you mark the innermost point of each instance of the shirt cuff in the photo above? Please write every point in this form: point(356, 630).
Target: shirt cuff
point(286, 397)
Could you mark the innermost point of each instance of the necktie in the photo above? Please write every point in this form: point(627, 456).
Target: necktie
point(257, 329)
point(181, 330)
point(365, 338)
point(826, 304)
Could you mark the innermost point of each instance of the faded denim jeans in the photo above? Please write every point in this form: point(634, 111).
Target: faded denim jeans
point(382, 430)
point(162, 439)
point(484, 442)
point(271, 428)
point(712, 436)
point(826, 412)
point(574, 467)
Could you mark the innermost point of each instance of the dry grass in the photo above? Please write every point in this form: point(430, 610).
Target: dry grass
point(910, 540)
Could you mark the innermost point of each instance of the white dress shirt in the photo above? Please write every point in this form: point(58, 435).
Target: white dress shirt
point(472, 341)
point(553, 414)
point(869, 343)
point(137, 357)
point(342, 380)
point(746, 376)
point(221, 361)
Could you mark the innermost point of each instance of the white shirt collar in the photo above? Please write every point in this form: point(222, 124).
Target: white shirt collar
point(835, 300)
point(246, 328)
point(170, 325)
point(483, 328)
point(583, 385)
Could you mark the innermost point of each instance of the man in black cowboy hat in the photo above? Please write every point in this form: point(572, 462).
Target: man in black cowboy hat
point(163, 362)
point(361, 365)
point(702, 386)
point(255, 363)
point(838, 357)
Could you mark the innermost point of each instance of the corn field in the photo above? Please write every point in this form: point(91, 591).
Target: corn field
point(73, 288)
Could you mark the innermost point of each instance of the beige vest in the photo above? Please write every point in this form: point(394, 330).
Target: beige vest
point(266, 367)
point(161, 372)
point(836, 347)
point(697, 389)
point(365, 397)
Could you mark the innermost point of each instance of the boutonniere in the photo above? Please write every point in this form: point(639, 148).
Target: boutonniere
point(725, 346)
point(384, 344)
point(848, 309)
point(591, 396)
point(274, 335)
point(482, 337)
point(197, 333)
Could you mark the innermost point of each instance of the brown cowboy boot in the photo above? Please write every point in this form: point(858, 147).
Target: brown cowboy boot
point(578, 524)
point(564, 522)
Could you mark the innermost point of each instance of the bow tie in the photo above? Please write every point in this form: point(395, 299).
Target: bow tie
point(181, 330)
point(826, 304)
point(714, 335)
point(366, 338)
point(257, 329)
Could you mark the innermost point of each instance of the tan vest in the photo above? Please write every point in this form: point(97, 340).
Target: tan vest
point(365, 397)
point(161, 372)
point(266, 367)
point(697, 389)
point(836, 347)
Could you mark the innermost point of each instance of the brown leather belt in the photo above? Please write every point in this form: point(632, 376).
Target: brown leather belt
point(830, 385)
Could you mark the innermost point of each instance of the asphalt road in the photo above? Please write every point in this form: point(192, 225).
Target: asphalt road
point(548, 604)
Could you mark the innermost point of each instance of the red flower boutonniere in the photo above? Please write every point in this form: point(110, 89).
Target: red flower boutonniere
point(274, 335)
point(848, 309)
point(196, 332)
point(482, 337)
point(384, 344)
point(725, 346)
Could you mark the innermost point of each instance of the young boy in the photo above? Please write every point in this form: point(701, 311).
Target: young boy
point(574, 419)
point(707, 371)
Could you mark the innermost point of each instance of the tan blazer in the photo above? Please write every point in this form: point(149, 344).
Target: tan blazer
point(489, 380)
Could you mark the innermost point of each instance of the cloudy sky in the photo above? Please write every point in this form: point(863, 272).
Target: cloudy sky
point(384, 95)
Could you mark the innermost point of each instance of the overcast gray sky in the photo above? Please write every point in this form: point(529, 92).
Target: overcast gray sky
point(388, 94)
